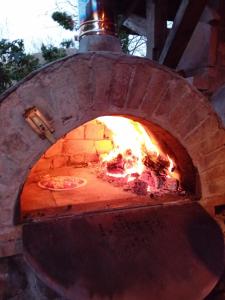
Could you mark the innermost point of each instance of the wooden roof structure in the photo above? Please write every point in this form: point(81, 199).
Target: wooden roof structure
point(149, 18)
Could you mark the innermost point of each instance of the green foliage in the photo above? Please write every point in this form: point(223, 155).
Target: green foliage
point(122, 34)
point(51, 53)
point(15, 64)
point(124, 40)
point(64, 20)
point(67, 44)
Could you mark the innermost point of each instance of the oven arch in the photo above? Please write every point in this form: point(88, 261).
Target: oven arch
point(84, 86)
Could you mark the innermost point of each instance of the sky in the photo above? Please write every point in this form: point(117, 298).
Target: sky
point(31, 21)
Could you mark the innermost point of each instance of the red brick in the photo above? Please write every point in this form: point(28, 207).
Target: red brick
point(76, 158)
point(157, 88)
point(177, 89)
point(94, 131)
point(211, 201)
point(103, 146)
point(55, 149)
point(76, 134)
point(42, 165)
point(211, 142)
point(213, 187)
point(59, 161)
point(121, 77)
point(102, 78)
point(91, 157)
point(205, 130)
point(108, 134)
point(214, 174)
point(213, 159)
point(140, 82)
point(182, 110)
point(192, 119)
point(78, 147)
point(82, 81)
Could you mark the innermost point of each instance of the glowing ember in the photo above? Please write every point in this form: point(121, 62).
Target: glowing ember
point(136, 159)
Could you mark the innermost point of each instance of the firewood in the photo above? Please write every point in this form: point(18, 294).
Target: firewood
point(140, 187)
point(156, 164)
point(116, 165)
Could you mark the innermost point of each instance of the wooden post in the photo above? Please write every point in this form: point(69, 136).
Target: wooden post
point(150, 15)
point(156, 27)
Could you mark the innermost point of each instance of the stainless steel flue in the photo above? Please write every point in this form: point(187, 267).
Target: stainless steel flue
point(96, 17)
point(97, 26)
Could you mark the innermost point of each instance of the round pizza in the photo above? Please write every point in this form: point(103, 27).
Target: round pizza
point(61, 183)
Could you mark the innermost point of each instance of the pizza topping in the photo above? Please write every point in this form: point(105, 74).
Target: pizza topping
point(61, 182)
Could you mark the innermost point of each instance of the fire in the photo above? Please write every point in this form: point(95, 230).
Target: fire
point(132, 144)
point(171, 166)
point(130, 140)
point(171, 169)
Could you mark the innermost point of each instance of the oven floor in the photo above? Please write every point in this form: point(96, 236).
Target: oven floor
point(95, 195)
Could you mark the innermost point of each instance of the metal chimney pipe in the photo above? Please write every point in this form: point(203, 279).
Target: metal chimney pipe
point(97, 26)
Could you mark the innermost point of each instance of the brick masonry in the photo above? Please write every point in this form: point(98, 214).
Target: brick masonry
point(73, 91)
point(82, 145)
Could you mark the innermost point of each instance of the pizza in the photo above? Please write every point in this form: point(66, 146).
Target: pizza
point(61, 183)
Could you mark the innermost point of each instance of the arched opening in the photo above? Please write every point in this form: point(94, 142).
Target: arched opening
point(82, 88)
point(109, 162)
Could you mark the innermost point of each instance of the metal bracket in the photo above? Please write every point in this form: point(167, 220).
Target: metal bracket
point(39, 124)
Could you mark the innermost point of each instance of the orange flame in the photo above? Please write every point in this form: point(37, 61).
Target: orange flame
point(171, 166)
point(132, 141)
point(172, 173)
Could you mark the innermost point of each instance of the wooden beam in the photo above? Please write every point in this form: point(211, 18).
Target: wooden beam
point(185, 22)
point(156, 27)
point(150, 15)
point(137, 24)
point(128, 7)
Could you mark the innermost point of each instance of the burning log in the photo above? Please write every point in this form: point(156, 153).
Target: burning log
point(171, 184)
point(116, 166)
point(136, 164)
point(140, 187)
point(151, 179)
point(156, 164)
point(154, 179)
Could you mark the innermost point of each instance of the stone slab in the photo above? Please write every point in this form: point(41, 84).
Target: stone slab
point(172, 252)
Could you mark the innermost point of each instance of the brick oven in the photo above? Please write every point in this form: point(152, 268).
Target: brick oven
point(107, 154)
point(101, 241)
point(83, 87)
